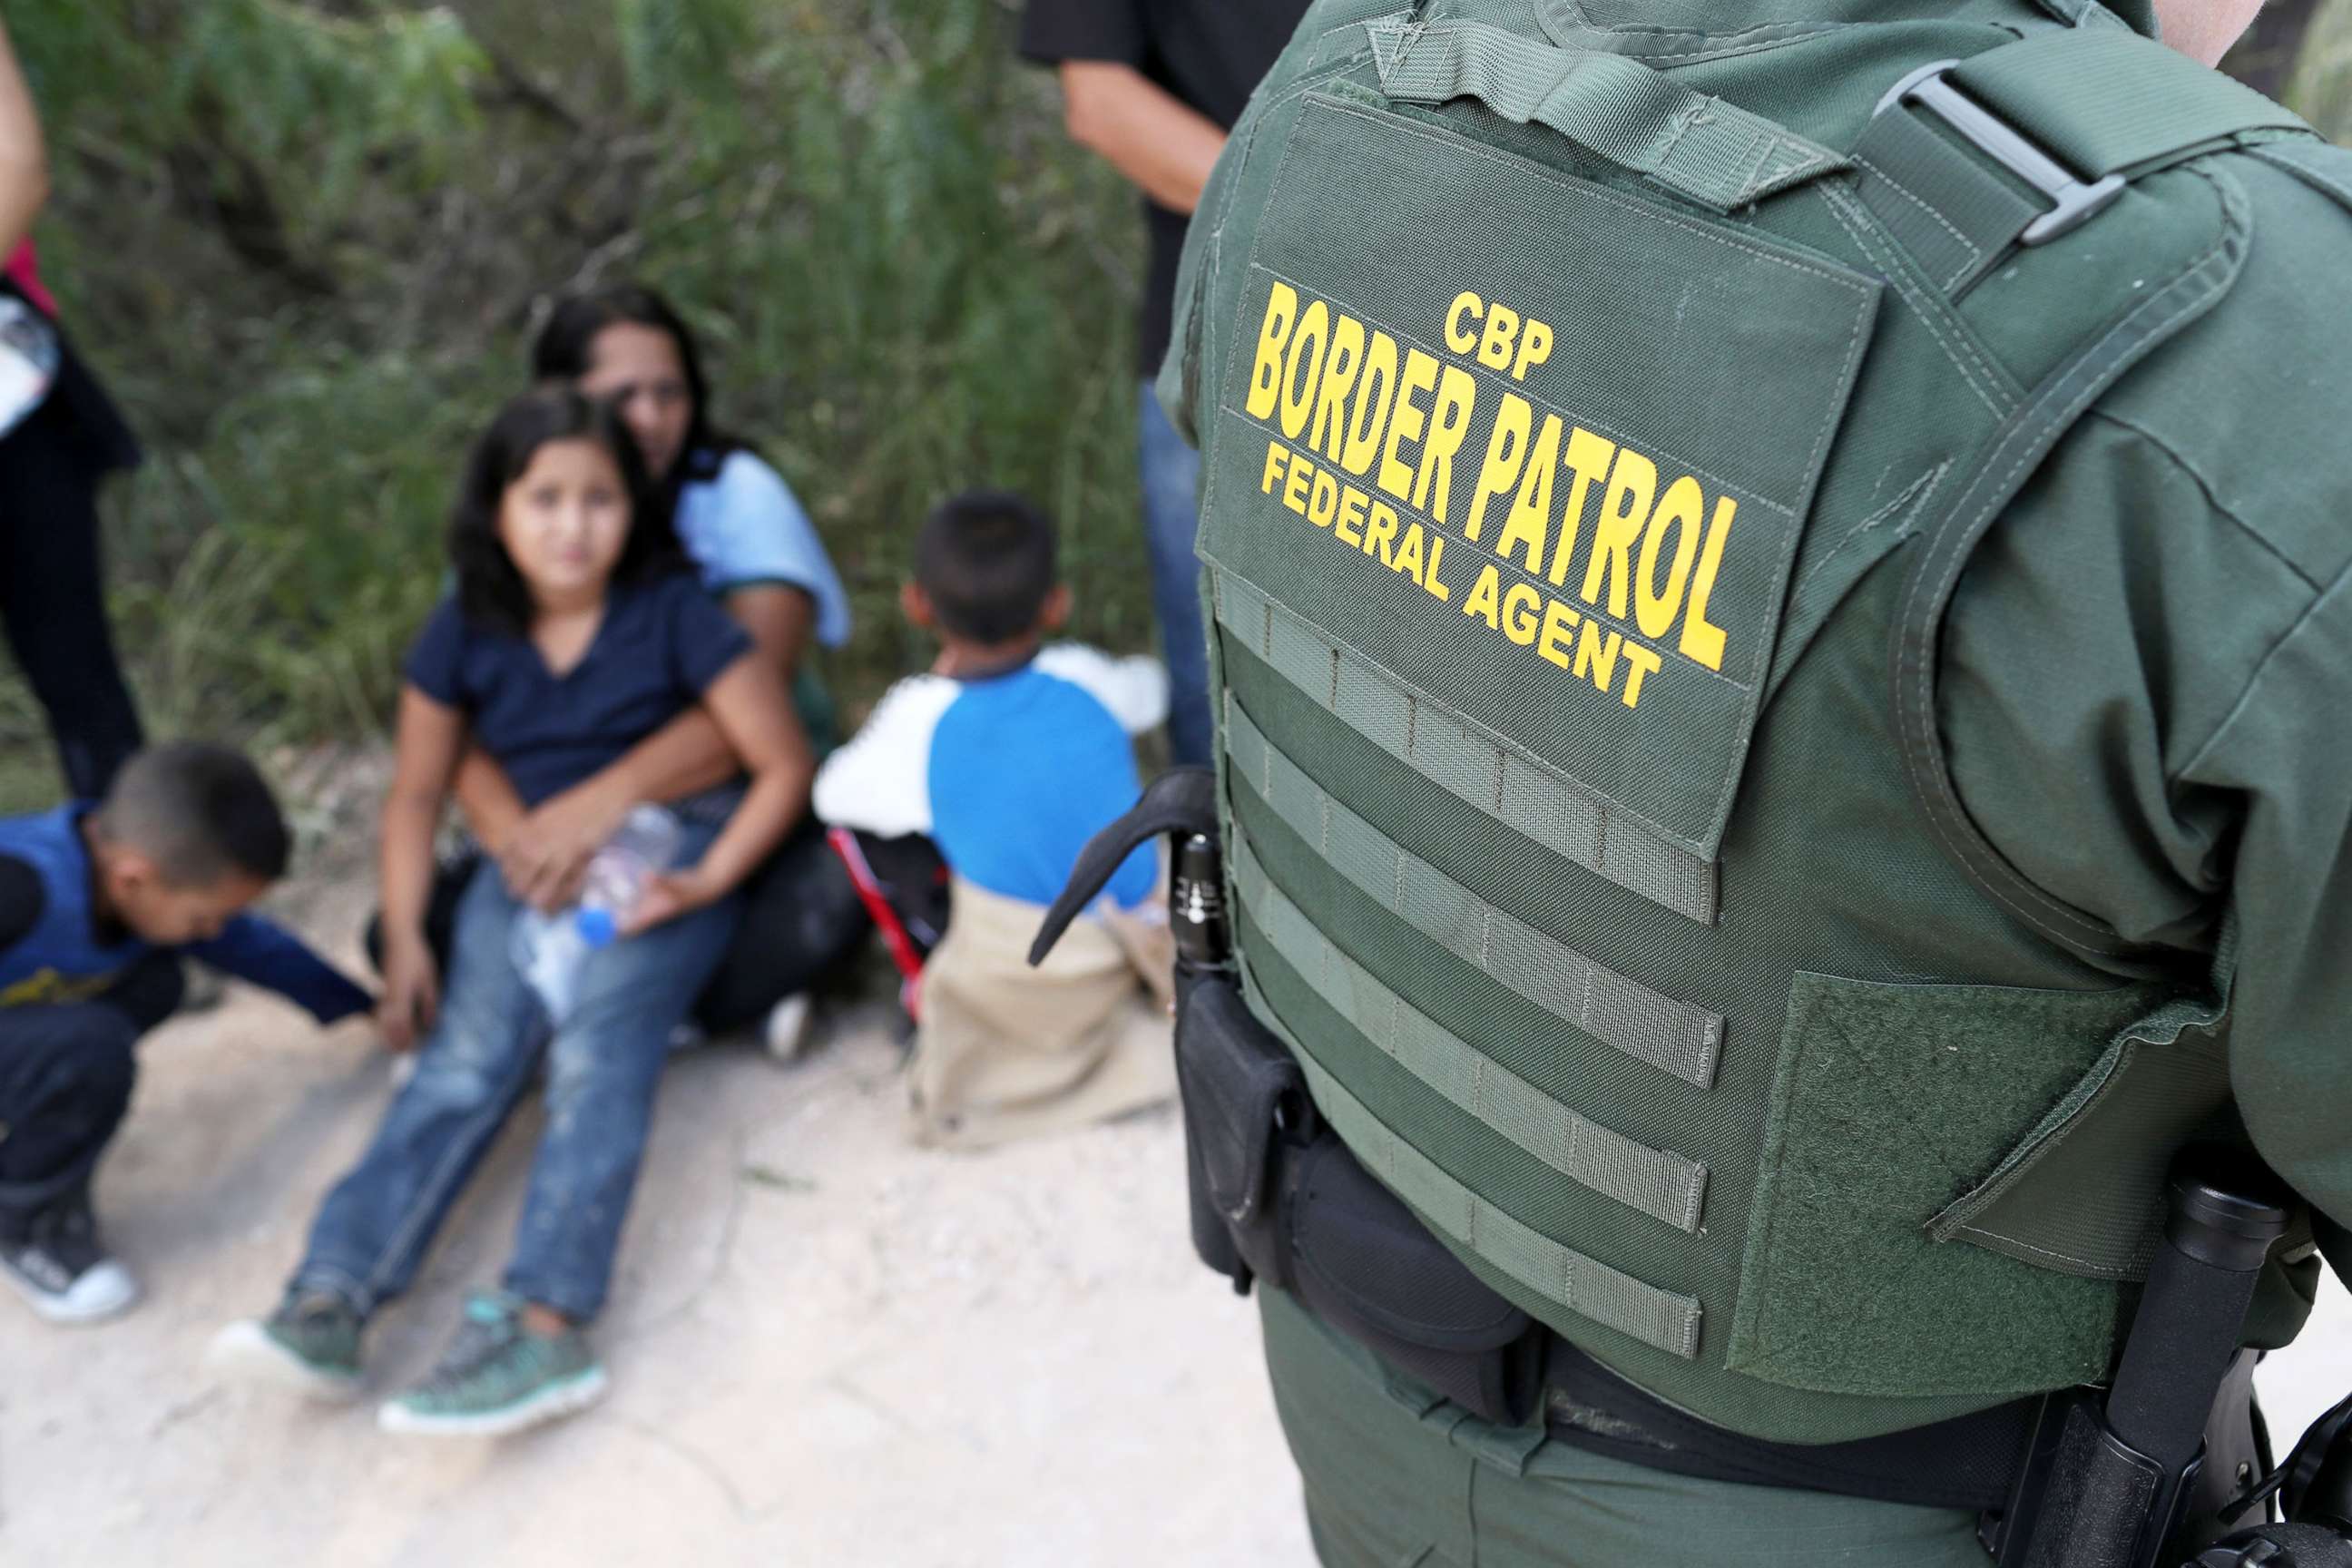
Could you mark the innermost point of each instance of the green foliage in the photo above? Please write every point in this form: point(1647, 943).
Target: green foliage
point(2321, 87)
point(307, 243)
point(674, 48)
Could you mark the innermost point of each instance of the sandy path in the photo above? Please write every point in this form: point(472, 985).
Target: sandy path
point(827, 1347)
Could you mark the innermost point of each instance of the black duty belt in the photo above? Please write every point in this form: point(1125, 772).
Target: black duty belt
point(1970, 1462)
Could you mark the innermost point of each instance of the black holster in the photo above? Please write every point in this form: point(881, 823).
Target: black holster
point(1276, 1196)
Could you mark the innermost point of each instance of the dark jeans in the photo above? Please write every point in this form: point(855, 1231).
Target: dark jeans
point(800, 920)
point(1172, 516)
point(65, 1073)
point(604, 1064)
point(52, 599)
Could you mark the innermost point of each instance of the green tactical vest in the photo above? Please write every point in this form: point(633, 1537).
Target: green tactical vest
point(1583, 452)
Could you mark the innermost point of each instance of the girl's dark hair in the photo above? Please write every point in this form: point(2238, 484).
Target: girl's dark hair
point(490, 592)
point(566, 347)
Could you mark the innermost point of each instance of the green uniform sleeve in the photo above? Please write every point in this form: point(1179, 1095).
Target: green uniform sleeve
point(2146, 700)
point(2147, 689)
point(2102, 633)
point(2284, 757)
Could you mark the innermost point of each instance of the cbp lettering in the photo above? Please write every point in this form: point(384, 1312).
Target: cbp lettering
point(1502, 340)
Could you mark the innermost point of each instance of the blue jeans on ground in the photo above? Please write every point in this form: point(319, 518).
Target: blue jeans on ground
point(603, 1067)
point(1171, 512)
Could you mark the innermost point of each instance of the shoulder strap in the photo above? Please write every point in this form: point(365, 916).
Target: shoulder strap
point(2110, 105)
point(2107, 101)
point(2023, 143)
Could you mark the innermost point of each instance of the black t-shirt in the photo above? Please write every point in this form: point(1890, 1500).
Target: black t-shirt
point(1209, 53)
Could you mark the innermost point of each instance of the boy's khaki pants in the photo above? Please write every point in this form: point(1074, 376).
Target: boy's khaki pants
point(1006, 1051)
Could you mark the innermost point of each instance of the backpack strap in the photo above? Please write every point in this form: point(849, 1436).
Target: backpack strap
point(2103, 106)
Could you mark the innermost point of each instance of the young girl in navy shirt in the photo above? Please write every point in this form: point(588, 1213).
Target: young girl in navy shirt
point(573, 635)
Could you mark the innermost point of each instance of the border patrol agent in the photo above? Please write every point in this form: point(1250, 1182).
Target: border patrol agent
point(1778, 576)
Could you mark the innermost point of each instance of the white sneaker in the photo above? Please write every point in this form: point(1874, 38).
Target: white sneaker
point(65, 1275)
point(786, 1032)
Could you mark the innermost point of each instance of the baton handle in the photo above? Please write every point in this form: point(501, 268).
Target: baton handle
point(2109, 1485)
point(2225, 1213)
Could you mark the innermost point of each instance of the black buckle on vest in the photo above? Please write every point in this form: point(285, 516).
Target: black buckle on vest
point(2072, 203)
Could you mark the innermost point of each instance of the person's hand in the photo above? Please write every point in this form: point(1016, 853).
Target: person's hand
point(669, 896)
point(412, 992)
point(545, 857)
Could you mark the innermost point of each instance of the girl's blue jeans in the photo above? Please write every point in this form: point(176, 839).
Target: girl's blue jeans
point(603, 1067)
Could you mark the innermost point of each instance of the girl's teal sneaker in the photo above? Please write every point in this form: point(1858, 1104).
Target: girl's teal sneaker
point(310, 1344)
point(498, 1377)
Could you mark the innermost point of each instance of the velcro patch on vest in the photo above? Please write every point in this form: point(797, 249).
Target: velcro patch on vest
point(1538, 451)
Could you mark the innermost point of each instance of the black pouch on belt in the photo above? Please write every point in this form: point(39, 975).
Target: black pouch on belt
point(1277, 1196)
point(1363, 1263)
point(1244, 1097)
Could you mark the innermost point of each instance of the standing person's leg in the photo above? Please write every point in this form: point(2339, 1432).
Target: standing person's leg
point(375, 1227)
point(1172, 484)
point(520, 1356)
point(65, 1074)
point(53, 600)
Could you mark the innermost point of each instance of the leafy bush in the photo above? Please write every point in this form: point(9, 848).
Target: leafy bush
point(307, 245)
point(307, 240)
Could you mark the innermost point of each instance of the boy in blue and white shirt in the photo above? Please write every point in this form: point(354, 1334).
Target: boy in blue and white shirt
point(1010, 755)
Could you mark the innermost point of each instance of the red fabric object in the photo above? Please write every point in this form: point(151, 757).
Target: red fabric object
point(24, 270)
point(886, 918)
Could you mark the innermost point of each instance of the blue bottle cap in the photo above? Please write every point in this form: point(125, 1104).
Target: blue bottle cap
point(597, 927)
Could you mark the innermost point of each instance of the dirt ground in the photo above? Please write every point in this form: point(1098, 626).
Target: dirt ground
point(827, 1347)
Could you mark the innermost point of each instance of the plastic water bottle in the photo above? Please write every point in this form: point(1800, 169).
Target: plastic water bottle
point(552, 950)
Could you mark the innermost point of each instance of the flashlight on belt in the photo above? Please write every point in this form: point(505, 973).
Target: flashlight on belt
point(1196, 906)
point(2111, 1483)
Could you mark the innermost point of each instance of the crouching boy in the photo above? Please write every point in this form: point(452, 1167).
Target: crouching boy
point(98, 904)
point(1011, 754)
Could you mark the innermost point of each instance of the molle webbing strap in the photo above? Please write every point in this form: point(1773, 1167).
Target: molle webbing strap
point(2107, 101)
point(1566, 1279)
point(1663, 1185)
point(1699, 148)
point(1673, 1037)
point(1574, 822)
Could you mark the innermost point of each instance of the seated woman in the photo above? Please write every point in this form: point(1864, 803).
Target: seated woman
point(755, 549)
point(573, 635)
